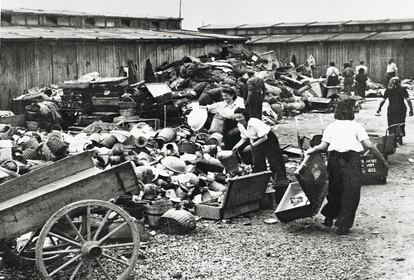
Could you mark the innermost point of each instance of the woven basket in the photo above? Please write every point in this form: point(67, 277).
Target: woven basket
point(29, 154)
point(127, 103)
point(56, 145)
point(109, 141)
point(187, 147)
point(31, 143)
point(177, 222)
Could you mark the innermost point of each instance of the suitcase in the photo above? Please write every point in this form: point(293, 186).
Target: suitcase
point(243, 195)
point(304, 198)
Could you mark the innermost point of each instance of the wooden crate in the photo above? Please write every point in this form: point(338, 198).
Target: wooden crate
point(242, 196)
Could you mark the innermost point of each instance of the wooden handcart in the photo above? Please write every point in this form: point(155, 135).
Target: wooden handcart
point(58, 217)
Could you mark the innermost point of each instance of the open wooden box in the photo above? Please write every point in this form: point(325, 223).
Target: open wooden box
point(242, 196)
point(304, 198)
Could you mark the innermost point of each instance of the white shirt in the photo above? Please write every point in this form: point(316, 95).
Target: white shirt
point(344, 136)
point(224, 110)
point(255, 129)
point(359, 67)
point(391, 67)
point(332, 71)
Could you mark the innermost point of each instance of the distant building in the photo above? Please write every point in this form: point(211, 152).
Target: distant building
point(39, 47)
point(371, 41)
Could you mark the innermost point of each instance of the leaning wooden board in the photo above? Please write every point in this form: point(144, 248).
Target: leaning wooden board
point(28, 201)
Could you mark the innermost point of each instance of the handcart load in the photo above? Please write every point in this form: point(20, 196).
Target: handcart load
point(304, 198)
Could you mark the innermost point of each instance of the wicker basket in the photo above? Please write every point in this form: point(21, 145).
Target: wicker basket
point(177, 222)
point(127, 103)
point(188, 147)
point(56, 145)
point(109, 141)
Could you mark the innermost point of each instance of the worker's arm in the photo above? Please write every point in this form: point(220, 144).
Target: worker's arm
point(239, 144)
point(374, 150)
point(410, 105)
point(259, 141)
point(323, 146)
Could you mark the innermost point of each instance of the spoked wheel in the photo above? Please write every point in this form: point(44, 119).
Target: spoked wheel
point(21, 251)
point(99, 240)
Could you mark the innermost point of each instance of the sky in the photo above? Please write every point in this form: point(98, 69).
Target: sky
point(196, 13)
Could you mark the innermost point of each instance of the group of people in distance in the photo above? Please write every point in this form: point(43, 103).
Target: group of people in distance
point(359, 76)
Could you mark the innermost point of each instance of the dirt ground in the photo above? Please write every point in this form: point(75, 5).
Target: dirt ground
point(380, 246)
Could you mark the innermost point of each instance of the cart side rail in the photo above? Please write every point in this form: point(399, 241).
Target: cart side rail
point(45, 175)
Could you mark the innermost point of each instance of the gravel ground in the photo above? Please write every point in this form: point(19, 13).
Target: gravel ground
point(380, 245)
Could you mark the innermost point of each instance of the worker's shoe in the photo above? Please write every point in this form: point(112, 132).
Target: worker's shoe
point(342, 231)
point(328, 222)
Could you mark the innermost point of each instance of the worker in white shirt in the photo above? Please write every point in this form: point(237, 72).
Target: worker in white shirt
point(363, 66)
point(264, 145)
point(344, 139)
point(392, 70)
point(223, 121)
point(332, 75)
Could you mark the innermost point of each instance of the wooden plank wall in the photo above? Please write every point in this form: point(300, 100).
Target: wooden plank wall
point(25, 65)
point(375, 54)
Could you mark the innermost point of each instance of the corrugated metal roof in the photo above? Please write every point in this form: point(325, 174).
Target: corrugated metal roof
point(400, 20)
point(23, 32)
point(220, 26)
point(255, 38)
point(294, 24)
point(257, 25)
point(391, 35)
point(312, 38)
point(282, 38)
point(75, 13)
point(368, 21)
point(409, 36)
point(351, 36)
point(328, 23)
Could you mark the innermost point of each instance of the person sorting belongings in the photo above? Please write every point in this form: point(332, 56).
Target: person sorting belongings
point(264, 145)
point(344, 139)
point(223, 121)
point(255, 94)
point(397, 110)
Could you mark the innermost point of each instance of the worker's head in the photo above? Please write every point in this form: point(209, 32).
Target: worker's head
point(361, 62)
point(394, 82)
point(229, 94)
point(345, 109)
point(391, 60)
point(241, 115)
point(361, 71)
point(331, 63)
point(346, 64)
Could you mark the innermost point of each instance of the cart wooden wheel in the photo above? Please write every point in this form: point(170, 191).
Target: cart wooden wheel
point(99, 240)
